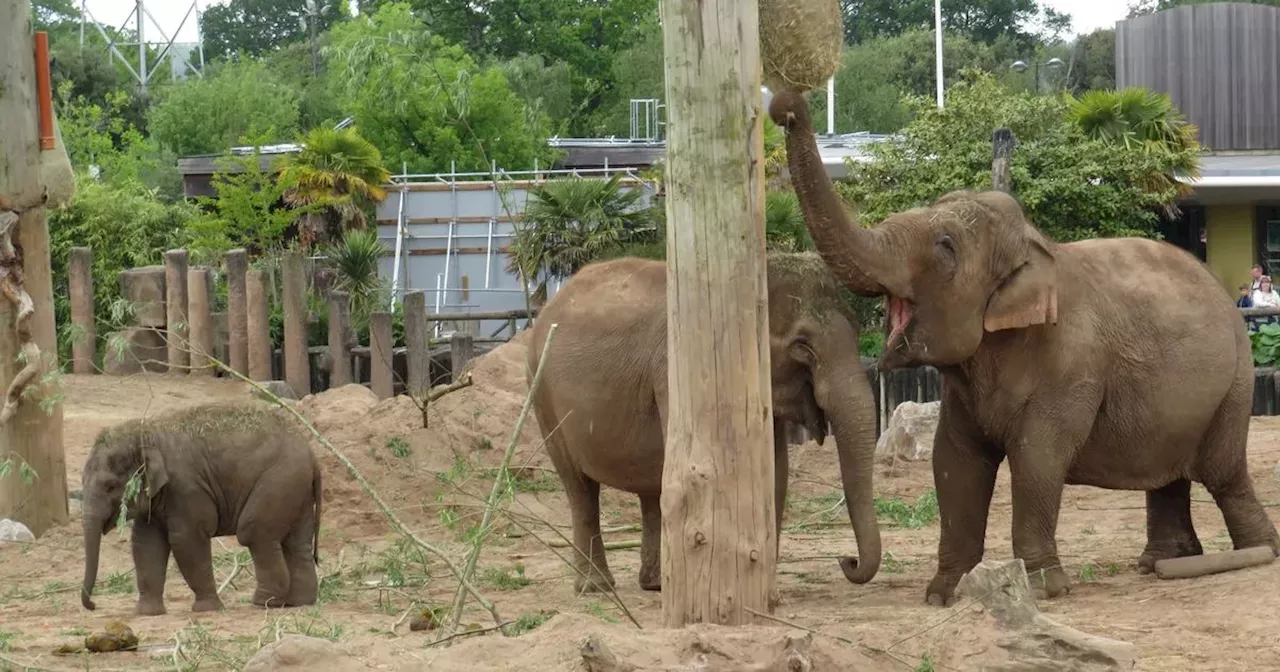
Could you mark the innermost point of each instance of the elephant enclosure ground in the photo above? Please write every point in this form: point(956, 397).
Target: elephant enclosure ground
point(435, 478)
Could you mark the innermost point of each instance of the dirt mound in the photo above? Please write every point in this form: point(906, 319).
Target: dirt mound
point(466, 434)
point(568, 640)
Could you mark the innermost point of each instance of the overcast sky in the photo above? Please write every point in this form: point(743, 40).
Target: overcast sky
point(1087, 15)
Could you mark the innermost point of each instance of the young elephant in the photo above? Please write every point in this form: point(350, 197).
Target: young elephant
point(204, 472)
point(602, 401)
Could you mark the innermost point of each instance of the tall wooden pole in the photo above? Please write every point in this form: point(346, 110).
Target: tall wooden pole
point(33, 436)
point(718, 536)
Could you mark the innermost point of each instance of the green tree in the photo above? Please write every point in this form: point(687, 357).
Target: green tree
point(339, 172)
point(48, 15)
point(253, 27)
point(248, 210)
point(980, 20)
point(425, 103)
point(1093, 61)
point(232, 100)
point(290, 65)
point(1071, 186)
point(545, 86)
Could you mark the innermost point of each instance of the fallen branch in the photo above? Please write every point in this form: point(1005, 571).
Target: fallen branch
point(468, 633)
point(1191, 566)
point(436, 393)
point(499, 483)
point(608, 545)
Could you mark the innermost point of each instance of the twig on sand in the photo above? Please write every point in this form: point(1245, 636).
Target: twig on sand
point(481, 631)
point(500, 483)
point(608, 545)
point(464, 583)
point(838, 638)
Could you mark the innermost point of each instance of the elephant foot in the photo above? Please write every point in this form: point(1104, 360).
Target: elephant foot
point(1178, 549)
point(650, 583)
point(775, 598)
point(1049, 582)
point(599, 583)
point(267, 600)
point(942, 590)
point(150, 607)
point(207, 604)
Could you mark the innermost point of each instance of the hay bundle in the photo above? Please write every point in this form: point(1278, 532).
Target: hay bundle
point(800, 43)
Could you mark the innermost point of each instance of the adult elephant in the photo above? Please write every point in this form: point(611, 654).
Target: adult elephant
point(602, 401)
point(1118, 363)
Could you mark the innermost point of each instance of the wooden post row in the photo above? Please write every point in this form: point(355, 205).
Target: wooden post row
point(257, 321)
point(80, 281)
point(341, 339)
point(380, 355)
point(237, 262)
point(176, 331)
point(297, 364)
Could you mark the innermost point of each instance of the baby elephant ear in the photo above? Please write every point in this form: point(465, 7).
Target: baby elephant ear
point(156, 474)
point(1029, 296)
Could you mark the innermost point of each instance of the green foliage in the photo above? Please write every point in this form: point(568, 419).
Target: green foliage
point(233, 100)
point(127, 226)
point(339, 173)
point(1094, 63)
point(252, 27)
point(546, 87)
point(426, 103)
point(1071, 186)
point(568, 223)
point(1266, 344)
point(99, 134)
point(637, 71)
point(355, 260)
point(245, 213)
point(981, 20)
point(1142, 120)
point(784, 227)
point(922, 512)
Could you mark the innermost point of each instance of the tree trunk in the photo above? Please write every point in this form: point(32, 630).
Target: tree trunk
point(32, 436)
point(718, 536)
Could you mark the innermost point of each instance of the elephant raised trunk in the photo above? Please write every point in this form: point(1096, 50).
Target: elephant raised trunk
point(92, 544)
point(858, 257)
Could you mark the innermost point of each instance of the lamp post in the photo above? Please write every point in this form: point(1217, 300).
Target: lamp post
point(1021, 66)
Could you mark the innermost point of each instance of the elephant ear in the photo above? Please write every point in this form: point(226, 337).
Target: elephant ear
point(156, 474)
point(1028, 296)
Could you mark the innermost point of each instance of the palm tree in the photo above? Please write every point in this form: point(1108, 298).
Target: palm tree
point(571, 222)
point(337, 171)
point(1140, 117)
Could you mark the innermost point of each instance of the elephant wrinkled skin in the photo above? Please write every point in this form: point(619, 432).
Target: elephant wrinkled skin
point(1118, 363)
point(205, 472)
point(602, 401)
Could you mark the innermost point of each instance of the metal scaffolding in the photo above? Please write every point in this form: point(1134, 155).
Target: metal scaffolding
point(145, 69)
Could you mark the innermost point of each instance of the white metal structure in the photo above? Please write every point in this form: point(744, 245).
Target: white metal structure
point(142, 74)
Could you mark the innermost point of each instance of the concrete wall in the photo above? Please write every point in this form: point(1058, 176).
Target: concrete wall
point(1229, 243)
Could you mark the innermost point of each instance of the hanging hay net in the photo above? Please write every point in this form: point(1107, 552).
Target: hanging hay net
point(800, 43)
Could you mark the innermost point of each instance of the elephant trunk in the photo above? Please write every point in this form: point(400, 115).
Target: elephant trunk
point(92, 544)
point(857, 256)
point(845, 397)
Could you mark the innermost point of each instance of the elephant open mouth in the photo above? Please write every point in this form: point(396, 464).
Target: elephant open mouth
point(900, 314)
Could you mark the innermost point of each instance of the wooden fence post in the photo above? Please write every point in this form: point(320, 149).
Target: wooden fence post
point(380, 355)
point(200, 320)
point(461, 350)
point(176, 328)
point(258, 324)
point(340, 337)
point(80, 279)
point(1001, 150)
point(417, 342)
point(297, 366)
point(237, 261)
point(719, 542)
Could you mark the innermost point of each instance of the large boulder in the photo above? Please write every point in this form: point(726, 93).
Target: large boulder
point(144, 287)
point(296, 652)
point(909, 435)
point(144, 349)
point(12, 530)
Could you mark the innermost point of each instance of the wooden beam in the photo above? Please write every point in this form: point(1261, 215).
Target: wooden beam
point(34, 492)
point(718, 527)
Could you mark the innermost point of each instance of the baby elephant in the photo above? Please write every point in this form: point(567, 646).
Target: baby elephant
point(208, 471)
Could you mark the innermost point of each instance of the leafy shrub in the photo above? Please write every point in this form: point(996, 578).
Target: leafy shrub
point(1266, 344)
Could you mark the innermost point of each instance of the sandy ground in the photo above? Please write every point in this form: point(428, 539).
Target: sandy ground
point(434, 478)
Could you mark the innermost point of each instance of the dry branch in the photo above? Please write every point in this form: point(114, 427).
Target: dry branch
point(1214, 563)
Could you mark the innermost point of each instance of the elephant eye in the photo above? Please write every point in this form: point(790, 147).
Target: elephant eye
point(945, 242)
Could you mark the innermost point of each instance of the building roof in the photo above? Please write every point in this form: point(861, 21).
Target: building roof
point(1238, 170)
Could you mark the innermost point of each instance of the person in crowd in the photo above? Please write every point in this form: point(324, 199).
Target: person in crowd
point(1256, 272)
point(1265, 296)
point(1245, 300)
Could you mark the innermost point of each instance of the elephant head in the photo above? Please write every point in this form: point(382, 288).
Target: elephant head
point(967, 264)
point(818, 379)
point(119, 454)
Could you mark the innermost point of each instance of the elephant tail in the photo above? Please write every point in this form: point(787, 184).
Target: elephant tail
point(316, 489)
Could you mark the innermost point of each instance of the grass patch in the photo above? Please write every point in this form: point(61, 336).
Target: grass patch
point(118, 583)
point(529, 621)
point(924, 511)
point(596, 609)
point(891, 564)
point(399, 447)
point(6, 640)
point(504, 580)
point(1089, 573)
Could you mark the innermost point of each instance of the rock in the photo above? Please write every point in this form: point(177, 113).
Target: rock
point(1033, 641)
point(909, 435)
point(297, 652)
point(144, 349)
point(277, 387)
point(12, 530)
point(144, 287)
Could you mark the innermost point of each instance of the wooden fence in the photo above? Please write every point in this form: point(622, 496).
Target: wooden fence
point(173, 329)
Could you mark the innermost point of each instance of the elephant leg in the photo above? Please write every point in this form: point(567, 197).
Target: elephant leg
point(1224, 471)
point(195, 560)
point(1037, 497)
point(299, 558)
point(150, 549)
point(651, 542)
point(964, 473)
point(1170, 532)
point(781, 474)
